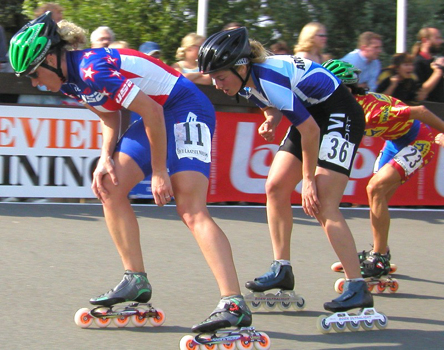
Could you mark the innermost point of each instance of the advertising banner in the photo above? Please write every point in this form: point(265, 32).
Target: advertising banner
point(51, 152)
point(242, 159)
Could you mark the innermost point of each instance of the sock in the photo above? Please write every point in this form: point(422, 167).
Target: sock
point(284, 262)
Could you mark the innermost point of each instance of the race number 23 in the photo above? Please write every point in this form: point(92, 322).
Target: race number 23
point(409, 158)
point(193, 140)
point(336, 150)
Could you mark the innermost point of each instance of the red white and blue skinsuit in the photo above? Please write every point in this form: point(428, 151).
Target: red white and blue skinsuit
point(109, 79)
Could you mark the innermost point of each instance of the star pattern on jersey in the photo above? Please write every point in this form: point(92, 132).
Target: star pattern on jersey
point(105, 92)
point(111, 60)
point(88, 54)
point(88, 73)
point(115, 73)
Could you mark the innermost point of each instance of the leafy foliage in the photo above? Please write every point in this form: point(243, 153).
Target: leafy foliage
point(168, 21)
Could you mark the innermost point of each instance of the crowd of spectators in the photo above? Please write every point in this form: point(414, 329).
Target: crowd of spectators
point(411, 77)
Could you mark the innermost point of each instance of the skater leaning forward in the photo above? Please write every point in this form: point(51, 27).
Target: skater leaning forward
point(172, 110)
point(319, 148)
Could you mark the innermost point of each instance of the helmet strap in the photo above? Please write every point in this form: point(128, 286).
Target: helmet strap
point(57, 70)
point(244, 81)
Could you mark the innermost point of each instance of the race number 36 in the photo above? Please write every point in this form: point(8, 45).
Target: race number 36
point(193, 140)
point(336, 150)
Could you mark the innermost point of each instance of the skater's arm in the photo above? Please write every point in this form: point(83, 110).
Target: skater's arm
point(268, 128)
point(154, 122)
point(424, 115)
point(110, 123)
point(310, 134)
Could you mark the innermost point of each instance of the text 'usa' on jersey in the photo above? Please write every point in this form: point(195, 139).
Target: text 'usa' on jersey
point(109, 79)
point(290, 84)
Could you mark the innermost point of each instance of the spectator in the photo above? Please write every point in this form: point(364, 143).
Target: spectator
point(280, 48)
point(398, 79)
point(311, 42)
point(102, 37)
point(232, 25)
point(56, 11)
point(151, 49)
point(365, 58)
point(120, 44)
point(187, 59)
point(429, 67)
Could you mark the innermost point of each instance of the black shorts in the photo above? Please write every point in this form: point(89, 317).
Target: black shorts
point(342, 123)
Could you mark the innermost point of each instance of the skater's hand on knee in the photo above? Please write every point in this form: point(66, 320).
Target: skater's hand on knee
point(103, 168)
point(310, 201)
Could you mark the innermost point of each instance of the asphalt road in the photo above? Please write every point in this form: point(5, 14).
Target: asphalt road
point(54, 257)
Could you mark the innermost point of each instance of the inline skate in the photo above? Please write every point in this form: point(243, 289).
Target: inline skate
point(230, 312)
point(133, 288)
point(355, 295)
point(278, 277)
point(337, 266)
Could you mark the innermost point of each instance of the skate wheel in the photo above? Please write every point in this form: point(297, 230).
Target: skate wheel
point(367, 325)
point(339, 285)
point(158, 320)
point(264, 343)
point(393, 268)
point(322, 326)
point(339, 327)
point(269, 304)
point(337, 267)
point(187, 343)
point(394, 286)
point(299, 305)
point(102, 322)
point(254, 305)
point(380, 288)
point(245, 342)
point(370, 287)
point(382, 324)
point(83, 318)
point(285, 305)
point(207, 346)
point(121, 321)
point(353, 326)
point(226, 346)
point(139, 319)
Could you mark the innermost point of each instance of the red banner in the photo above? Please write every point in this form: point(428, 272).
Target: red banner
point(242, 158)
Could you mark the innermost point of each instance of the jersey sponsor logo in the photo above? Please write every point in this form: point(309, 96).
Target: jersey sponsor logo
point(299, 62)
point(123, 92)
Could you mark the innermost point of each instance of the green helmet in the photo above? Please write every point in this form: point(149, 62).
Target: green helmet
point(30, 45)
point(343, 70)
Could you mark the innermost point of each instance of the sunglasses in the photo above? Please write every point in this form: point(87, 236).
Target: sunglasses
point(32, 75)
point(322, 35)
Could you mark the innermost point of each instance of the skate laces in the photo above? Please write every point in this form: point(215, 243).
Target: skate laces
point(275, 268)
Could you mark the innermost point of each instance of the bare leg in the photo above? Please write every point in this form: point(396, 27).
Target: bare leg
point(190, 192)
point(330, 188)
point(380, 189)
point(120, 217)
point(282, 179)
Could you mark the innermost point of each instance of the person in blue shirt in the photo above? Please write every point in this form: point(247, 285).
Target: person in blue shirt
point(319, 148)
point(365, 58)
point(171, 143)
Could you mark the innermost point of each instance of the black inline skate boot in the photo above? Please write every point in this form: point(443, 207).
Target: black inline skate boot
point(133, 287)
point(279, 276)
point(375, 265)
point(366, 253)
point(355, 295)
point(230, 312)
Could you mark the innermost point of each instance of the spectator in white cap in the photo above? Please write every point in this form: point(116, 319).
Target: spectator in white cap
point(150, 48)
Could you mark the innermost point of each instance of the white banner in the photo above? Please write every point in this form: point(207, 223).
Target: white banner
point(48, 151)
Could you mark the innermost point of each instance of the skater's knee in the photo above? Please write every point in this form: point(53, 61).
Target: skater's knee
point(274, 189)
point(374, 188)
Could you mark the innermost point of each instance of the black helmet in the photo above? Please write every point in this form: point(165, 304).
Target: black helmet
point(223, 50)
